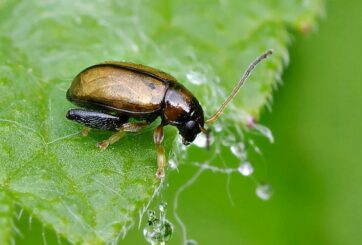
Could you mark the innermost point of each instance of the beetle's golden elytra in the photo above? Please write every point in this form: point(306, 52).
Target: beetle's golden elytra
point(111, 93)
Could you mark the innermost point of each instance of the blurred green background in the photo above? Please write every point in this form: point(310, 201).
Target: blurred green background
point(314, 166)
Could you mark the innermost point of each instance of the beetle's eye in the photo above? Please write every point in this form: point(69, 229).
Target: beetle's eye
point(190, 125)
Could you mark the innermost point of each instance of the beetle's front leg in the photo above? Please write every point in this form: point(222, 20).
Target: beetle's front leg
point(161, 159)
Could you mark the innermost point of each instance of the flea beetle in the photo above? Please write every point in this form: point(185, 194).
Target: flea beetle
point(112, 93)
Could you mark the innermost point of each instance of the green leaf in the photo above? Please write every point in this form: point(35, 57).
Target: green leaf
point(60, 177)
point(6, 218)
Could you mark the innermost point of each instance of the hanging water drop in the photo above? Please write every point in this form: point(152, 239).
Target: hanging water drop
point(246, 169)
point(191, 242)
point(162, 208)
point(218, 127)
point(201, 140)
point(265, 132)
point(158, 230)
point(172, 163)
point(238, 150)
point(264, 191)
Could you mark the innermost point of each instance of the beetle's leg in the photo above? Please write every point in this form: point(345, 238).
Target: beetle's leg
point(134, 126)
point(126, 127)
point(85, 131)
point(95, 119)
point(161, 159)
point(111, 140)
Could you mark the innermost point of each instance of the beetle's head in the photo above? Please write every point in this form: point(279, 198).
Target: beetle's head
point(191, 126)
point(183, 111)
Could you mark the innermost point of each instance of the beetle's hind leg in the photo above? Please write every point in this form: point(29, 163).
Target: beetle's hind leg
point(126, 127)
point(95, 119)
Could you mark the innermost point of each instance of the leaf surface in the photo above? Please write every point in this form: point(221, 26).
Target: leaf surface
point(61, 178)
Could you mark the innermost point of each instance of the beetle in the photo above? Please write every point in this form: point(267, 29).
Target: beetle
point(126, 97)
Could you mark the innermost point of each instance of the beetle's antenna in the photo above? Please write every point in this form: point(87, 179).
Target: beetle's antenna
point(246, 74)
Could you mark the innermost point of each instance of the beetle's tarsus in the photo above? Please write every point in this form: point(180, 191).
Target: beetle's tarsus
point(160, 173)
point(103, 144)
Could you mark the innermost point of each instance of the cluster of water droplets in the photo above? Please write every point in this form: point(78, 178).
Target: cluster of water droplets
point(225, 137)
point(158, 229)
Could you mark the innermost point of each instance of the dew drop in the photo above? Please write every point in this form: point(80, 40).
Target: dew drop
point(265, 132)
point(158, 230)
point(246, 169)
point(191, 242)
point(151, 215)
point(195, 78)
point(238, 150)
point(201, 140)
point(172, 163)
point(264, 191)
point(218, 127)
point(163, 207)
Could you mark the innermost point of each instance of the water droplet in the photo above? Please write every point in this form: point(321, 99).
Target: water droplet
point(151, 215)
point(195, 77)
point(191, 242)
point(183, 147)
point(238, 150)
point(264, 191)
point(218, 127)
point(172, 163)
point(201, 140)
point(265, 132)
point(246, 169)
point(158, 230)
point(163, 207)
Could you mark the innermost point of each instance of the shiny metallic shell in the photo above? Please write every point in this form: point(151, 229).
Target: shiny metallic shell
point(121, 87)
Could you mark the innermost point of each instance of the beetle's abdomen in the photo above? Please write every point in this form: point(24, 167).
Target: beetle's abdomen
point(118, 89)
